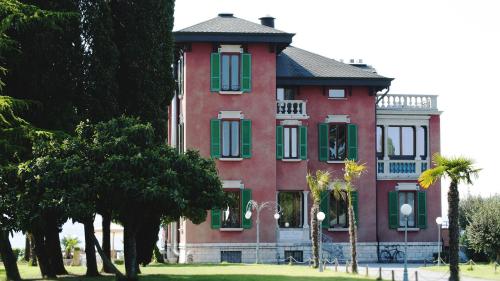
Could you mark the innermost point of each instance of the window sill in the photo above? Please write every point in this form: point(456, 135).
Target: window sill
point(411, 229)
point(337, 98)
point(231, 159)
point(335, 162)
point(230, 92)
point(343, 229)
point(291, 160)
point(231, 229)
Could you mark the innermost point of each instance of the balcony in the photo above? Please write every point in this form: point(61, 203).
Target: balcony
point(291, 109)
point(408, 103)
point(401, 169)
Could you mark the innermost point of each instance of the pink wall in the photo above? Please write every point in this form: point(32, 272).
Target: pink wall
point(257, 173)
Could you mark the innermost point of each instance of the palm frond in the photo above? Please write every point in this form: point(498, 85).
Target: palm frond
point(318, 183)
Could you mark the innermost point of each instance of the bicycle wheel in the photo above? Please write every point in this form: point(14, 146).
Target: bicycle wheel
point(399, 256)
point(385, 256)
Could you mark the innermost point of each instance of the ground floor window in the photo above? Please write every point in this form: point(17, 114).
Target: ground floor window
point(231, 216)
point(291, 209)
point(230, 256)
point(407, 197)
point(338, 210)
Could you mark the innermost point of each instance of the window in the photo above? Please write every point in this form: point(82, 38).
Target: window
point(285, 94)
point(380, 142)
point(230, 72)
point(336, 93)
point(422, 142)
point(230, 256)
point(407, 197)
point(337, 142)
point(401, 142)
point(180, 76)
point(231, 216)
point(180, 138)
point(338, 210)
point(298, 256)
point(290, 143)
point(230, 138)
point(291, 207)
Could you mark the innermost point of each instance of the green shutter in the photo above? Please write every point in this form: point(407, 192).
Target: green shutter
point(422, 209)
point(215, 72)
point(323, 141)
point(352, 142)
point(215, 218)
point(354, 201)
point(246, 138)
point(324, 206)
point(246, 72)
point(279, 142)
point(246, 196)
point(303, 142)
point(393, 210)
point(215, 138)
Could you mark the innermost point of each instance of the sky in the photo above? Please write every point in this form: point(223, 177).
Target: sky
point(439, 47)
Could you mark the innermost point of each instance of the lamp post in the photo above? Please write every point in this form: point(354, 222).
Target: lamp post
point(406, 211)
point(320, 216)
point(255, 206)
point(439, 222)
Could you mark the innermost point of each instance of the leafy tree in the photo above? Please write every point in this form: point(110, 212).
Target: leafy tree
point(352, 172)
point(467, 208)
point(458, 170)
point(318, 183)
point(483, 232)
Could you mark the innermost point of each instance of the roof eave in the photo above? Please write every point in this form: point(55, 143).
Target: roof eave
point(382, 82)
point(227, 37)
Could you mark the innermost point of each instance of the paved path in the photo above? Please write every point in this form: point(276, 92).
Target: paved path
point(423, 275)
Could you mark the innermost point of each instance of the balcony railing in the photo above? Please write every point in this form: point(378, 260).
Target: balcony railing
point(401, 169)
point(291, 109)
point(408, 102)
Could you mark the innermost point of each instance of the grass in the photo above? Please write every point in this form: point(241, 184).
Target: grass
point(223, 272)
point(483, 271)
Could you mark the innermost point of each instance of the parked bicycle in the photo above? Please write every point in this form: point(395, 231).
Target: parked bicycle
point(391, 254)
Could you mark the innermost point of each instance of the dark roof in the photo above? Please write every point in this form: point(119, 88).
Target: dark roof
point(303, 67)
point(227, 28)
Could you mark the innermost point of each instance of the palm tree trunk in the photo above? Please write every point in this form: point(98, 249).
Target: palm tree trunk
point(32, 258)
point(353, 237)
point(90, 249)
point(314, 234)
point(27, 248)
point(106, 238)
point(454, 231)
point(8, 257)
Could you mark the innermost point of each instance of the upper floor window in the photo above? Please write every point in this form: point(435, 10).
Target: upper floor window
point(338, 210)
point(230, 138)
point(401, 141)
point(336, 93)
point(290, 142)
point(337, 140)
point(380, 141)
point(285, 94)
point(230, 72)
point(291, 207)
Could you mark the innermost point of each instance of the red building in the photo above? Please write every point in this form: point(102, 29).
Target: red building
point(268, 113)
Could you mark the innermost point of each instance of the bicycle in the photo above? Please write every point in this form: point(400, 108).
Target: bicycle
point(391, 254)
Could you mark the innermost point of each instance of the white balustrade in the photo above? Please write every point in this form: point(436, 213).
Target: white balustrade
point(291, 109)
point(401, 169)
point(408, 102)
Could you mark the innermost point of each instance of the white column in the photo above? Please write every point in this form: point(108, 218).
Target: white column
point(306, 208)
point(385, 138)
point(173, 123)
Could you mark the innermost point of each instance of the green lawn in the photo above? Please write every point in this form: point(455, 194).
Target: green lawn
point(223, 272)
point(484, 271)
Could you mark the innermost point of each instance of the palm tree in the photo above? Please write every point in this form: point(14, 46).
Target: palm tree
point(69, 244)
point(317, 184)
point(457, 169)
point(352, 171)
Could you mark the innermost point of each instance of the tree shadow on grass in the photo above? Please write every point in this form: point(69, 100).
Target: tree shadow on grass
point(192, 264)
point(212, 277)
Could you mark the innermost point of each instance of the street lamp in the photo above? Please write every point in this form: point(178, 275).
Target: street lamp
point(406, 211)
point(320, 216)
point(254, 205)
point(439, 221)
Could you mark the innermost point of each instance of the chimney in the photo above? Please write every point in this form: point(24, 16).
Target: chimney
point(225, 15)
point(267, 21)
